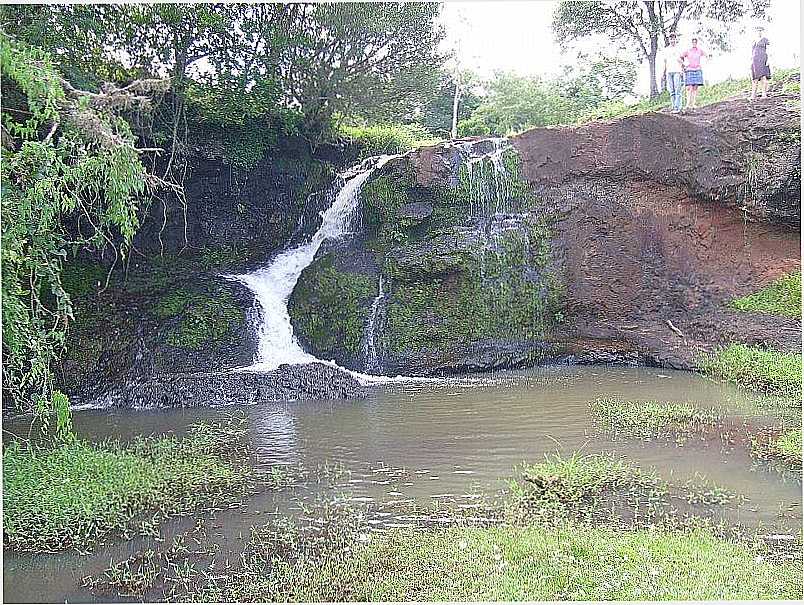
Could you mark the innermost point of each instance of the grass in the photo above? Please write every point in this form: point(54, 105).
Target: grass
point(76, 493)
point(758, 369)
point(707, 95)
point(600, 487)
point(381, 139)
point(648, 418)
point(568, 562)
point(780, 297)
point(784, 446)
point(576, 477)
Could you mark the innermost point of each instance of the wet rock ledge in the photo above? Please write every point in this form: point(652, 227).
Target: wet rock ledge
point(288, 383)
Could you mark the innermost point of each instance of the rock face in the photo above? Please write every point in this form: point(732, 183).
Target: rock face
point(618, 241)
point(261, 207)
point(288, 383)
point(614, 242)
point(177, 312)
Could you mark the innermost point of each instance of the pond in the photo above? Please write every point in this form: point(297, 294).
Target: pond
point(448, 442)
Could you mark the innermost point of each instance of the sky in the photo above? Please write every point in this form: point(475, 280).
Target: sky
point(517, 36)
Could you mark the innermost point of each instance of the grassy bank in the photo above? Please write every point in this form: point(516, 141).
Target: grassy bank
point(710, 93)
point(72, 494)
point(572, 562)
point(533, 563)
point(757, 369)
point(780, 297)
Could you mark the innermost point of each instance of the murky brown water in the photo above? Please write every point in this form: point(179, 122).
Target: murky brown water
point(431, 442)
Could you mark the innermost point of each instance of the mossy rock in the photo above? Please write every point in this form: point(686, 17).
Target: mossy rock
point(329, 309)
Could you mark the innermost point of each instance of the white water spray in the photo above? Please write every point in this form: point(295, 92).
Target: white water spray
point(273, 285)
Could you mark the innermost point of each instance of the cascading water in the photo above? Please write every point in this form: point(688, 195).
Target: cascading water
point(273, 285)
point(374, 322)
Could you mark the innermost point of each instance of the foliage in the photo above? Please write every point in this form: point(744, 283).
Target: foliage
point(784, 446)
point(645, 26)
point(577, 477)
point(437, 112)
point(72, 494)
point(67, 157)
point(373, 60)
point(788, 446)
point(649, 418)
point(383, 139)
point(780, 297)
point(515, 103)
point(756, 368)
point(566, 562)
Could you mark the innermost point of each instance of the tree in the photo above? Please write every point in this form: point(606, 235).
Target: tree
point(371, 60)
point(646, 24)
point(514, 103)
point(65, 153)
point(437, 112)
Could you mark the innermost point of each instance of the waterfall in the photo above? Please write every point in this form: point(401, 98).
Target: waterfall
point(272, 285)
point(374, 321)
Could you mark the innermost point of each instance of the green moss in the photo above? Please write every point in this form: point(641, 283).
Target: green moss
point(567, 562)
point(780, 297)
point(473, 294)
point(80, 278)
point(73, 494)
point(203, 318)
point(649, 418)
point(382, 199)
point(329, 306)
point(755, 368)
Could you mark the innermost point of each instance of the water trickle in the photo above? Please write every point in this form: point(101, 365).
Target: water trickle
point(272, 285)
point(373, 330)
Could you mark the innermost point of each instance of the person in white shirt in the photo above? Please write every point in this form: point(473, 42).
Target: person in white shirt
point(674, 71)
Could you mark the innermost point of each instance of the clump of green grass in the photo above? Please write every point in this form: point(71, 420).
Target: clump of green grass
point(73, 494)
point(703, 491)
point(788, 445)
point(755, 368)
point(385, 138)
point(649, 418)
point(784, 446)
point(567, 562)
point(575, 478)
point(780, 297)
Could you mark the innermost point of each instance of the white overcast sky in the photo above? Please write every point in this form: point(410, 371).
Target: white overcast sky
point(517, 36)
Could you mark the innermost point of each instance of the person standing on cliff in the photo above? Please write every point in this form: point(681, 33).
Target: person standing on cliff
point(760, 71)
point(674, 72)
point(693, 74)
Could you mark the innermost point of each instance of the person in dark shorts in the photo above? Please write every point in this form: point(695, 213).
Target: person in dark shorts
point(760, 71)
point(693, 74)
